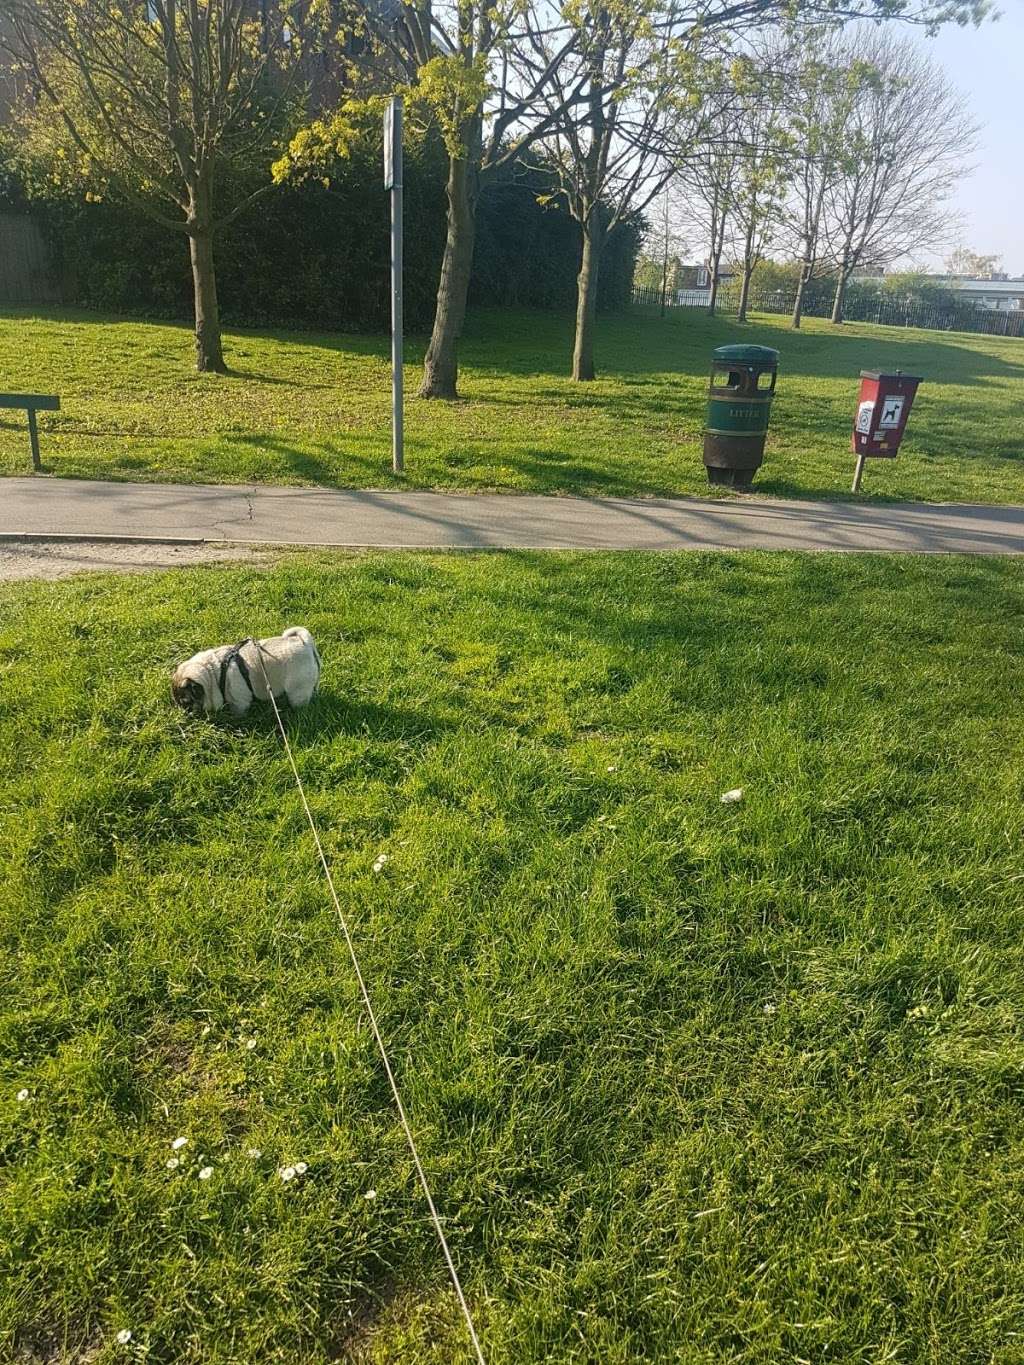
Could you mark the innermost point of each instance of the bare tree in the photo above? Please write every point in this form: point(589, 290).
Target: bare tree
point(154, 99)
point(610, 147)
point(703, 157)
point(968, 265)
point(732, 177)
point(762, 161)
point(659, 264)
point(733, 183)
point(909, 143)
point(705, 179)
point(821, 91)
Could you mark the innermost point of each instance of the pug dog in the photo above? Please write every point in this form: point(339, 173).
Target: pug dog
point(232, 676)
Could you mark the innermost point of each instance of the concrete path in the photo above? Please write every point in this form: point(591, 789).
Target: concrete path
point(311, 516)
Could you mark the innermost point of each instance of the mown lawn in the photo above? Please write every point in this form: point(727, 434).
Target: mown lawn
point(694, 1082)
point(305, 408)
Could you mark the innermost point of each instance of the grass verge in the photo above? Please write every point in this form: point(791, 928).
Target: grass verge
point(693, 1081)
point(305, 408)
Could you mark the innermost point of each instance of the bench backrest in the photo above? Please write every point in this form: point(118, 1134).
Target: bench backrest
point(41, 402)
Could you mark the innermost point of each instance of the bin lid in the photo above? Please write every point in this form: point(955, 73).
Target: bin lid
point(893, 376)
point(747, 355)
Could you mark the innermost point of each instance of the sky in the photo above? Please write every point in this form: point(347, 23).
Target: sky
point(987, 65)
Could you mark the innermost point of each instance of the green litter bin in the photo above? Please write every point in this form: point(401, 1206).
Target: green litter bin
point(739, 405)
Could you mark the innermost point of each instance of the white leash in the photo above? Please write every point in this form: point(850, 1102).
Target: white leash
point(373, 1022)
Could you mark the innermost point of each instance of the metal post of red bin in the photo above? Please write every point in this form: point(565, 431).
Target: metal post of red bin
point(882, 412)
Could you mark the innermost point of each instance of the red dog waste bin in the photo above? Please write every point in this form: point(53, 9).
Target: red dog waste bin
point(882, 412)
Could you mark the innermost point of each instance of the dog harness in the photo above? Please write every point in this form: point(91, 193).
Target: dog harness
point(234, 656)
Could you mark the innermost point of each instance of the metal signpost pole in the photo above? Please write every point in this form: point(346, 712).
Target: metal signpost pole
point(393, 183)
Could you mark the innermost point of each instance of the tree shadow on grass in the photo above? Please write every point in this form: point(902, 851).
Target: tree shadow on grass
point(770, 485)
point(362, 462)
point(942, 357)
point(314, 462)
point(258, 377)
point(632, 343)
point(750, 594)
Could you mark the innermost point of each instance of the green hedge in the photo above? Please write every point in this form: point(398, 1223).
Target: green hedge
point(319, 257)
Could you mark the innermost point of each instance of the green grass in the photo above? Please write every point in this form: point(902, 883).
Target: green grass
point(694, 1082)
point(306, 408)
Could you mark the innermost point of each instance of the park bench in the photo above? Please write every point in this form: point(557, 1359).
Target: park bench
point(31, 403)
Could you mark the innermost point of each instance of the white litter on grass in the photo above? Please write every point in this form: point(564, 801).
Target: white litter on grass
point(730, 797)
point(178, 1143)
point(22, 1096)
point(250, 1044)
point(123, 1337)
point(206, 1172)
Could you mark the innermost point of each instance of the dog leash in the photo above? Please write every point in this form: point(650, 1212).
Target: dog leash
point(370, 1014)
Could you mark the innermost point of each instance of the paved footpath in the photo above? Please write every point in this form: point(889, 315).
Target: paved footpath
point(43, 507)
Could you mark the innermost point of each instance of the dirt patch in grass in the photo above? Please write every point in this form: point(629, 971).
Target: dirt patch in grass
point(51, 559)
point(50, 1346)
point(390, 1323)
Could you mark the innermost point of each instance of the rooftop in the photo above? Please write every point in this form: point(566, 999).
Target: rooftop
point(991, 284)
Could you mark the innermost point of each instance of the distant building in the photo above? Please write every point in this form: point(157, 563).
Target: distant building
point(998, 292)
point(702, 277)
point(693, 285)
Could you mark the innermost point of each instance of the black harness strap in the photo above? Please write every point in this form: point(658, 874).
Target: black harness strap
point(234, 656)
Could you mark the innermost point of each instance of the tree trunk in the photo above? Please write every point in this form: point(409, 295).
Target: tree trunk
point(717, 247)
point(741, 311)
point(441, 366)
point(209, 354)
point(748, 270)
point(840, 299)
point(798, 302)
point(586, 298)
